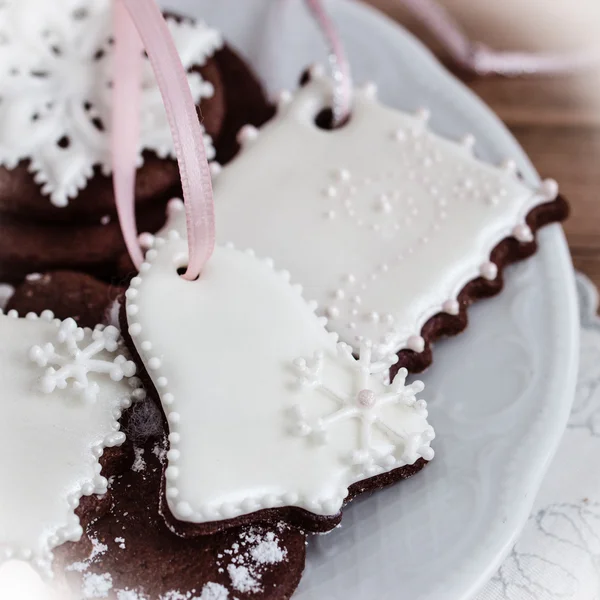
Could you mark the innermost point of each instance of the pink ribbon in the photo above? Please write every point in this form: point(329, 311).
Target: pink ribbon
point(153, 34)
point(483, 60)
point(342, 100)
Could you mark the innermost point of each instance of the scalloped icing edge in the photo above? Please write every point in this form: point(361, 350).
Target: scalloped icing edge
point(319, 507)
point(72, 531)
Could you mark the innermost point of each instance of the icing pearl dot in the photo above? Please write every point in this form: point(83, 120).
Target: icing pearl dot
point(350, 278)
point(145, 240)
point(146, 346)
point(339, 294)
point(174, 417)
point(523, 233)
point(489, 271)
point(354, 312)
point(161, 382)
point(330, 214)
point(352, 325)
point(174, 437)
point(370, 89)
point(342, 175)
point(330, 191)
point(135, 329)
point(549, 189)
point(154, 363)
point(451, 307)
point(494, 200)
point(132, 310)
point(215, 169)
point(144, 267)
point(356, 299)
point(423, 114)
point(171, 473)
point(151, 254)
point(131, 294)
point(333, 312)
point(399, 135)
point(184, 510)
point(168, 399)
point(416, 343)
point(247, 134)
point(373, 317)
point(366, 398)
point(284, 97)
point(509, 165)
point(136, 281)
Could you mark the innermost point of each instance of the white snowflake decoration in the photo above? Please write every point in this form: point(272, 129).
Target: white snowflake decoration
point(55, 90)
point(364, 404)
point(76, 363)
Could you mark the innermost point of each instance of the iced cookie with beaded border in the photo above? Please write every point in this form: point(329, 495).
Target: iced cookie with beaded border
point(393, 228)
point(273, 383)
point(63, 390)
point(130, 552)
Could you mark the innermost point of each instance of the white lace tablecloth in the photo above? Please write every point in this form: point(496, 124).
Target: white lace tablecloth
point(558, 553)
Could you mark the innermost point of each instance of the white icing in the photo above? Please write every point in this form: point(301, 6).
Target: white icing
point(227, 375)
point(75, 364)
point(55, 71)
point(50, 443)
point(382, 221)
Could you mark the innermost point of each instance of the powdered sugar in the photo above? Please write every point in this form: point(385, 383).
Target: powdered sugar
point(160, 452)
point(243, 579)
point(130, 595)
point(139, 464)
point(214, 591)
point(121, 542)
point(267, 550)
point(98, 548)
point(96, 586)
point(248, 558)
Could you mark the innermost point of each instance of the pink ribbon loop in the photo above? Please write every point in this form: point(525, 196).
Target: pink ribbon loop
point(342, 100)
point(153, 35)
point(482, 60)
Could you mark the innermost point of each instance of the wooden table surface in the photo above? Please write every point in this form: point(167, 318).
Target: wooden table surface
point(557, 121)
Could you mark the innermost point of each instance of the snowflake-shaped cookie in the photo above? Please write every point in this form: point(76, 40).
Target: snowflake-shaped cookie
point(55, 90)
point(364, 403)
point(76, 363)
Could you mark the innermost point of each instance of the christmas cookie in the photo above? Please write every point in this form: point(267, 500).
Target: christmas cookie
point(269, 417)
point(390, 228)
point(82, 297)
point(28, 246)
point(55, 106)
point(63, 389)
point(130, 553)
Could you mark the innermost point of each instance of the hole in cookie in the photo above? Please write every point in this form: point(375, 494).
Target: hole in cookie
point(324, 120)
point(64, 142)
point(99, 54)
point(181, 271)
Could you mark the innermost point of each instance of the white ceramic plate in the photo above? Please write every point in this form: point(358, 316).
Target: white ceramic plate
point(499, 394)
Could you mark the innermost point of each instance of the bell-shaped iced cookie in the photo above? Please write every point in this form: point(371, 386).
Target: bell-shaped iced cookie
point(269, 416)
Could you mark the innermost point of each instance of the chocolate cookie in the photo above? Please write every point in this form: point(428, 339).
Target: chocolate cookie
point(70, 294)
point(32, 247)
point(245, 102)
point(25, 190)
point(129, 552)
